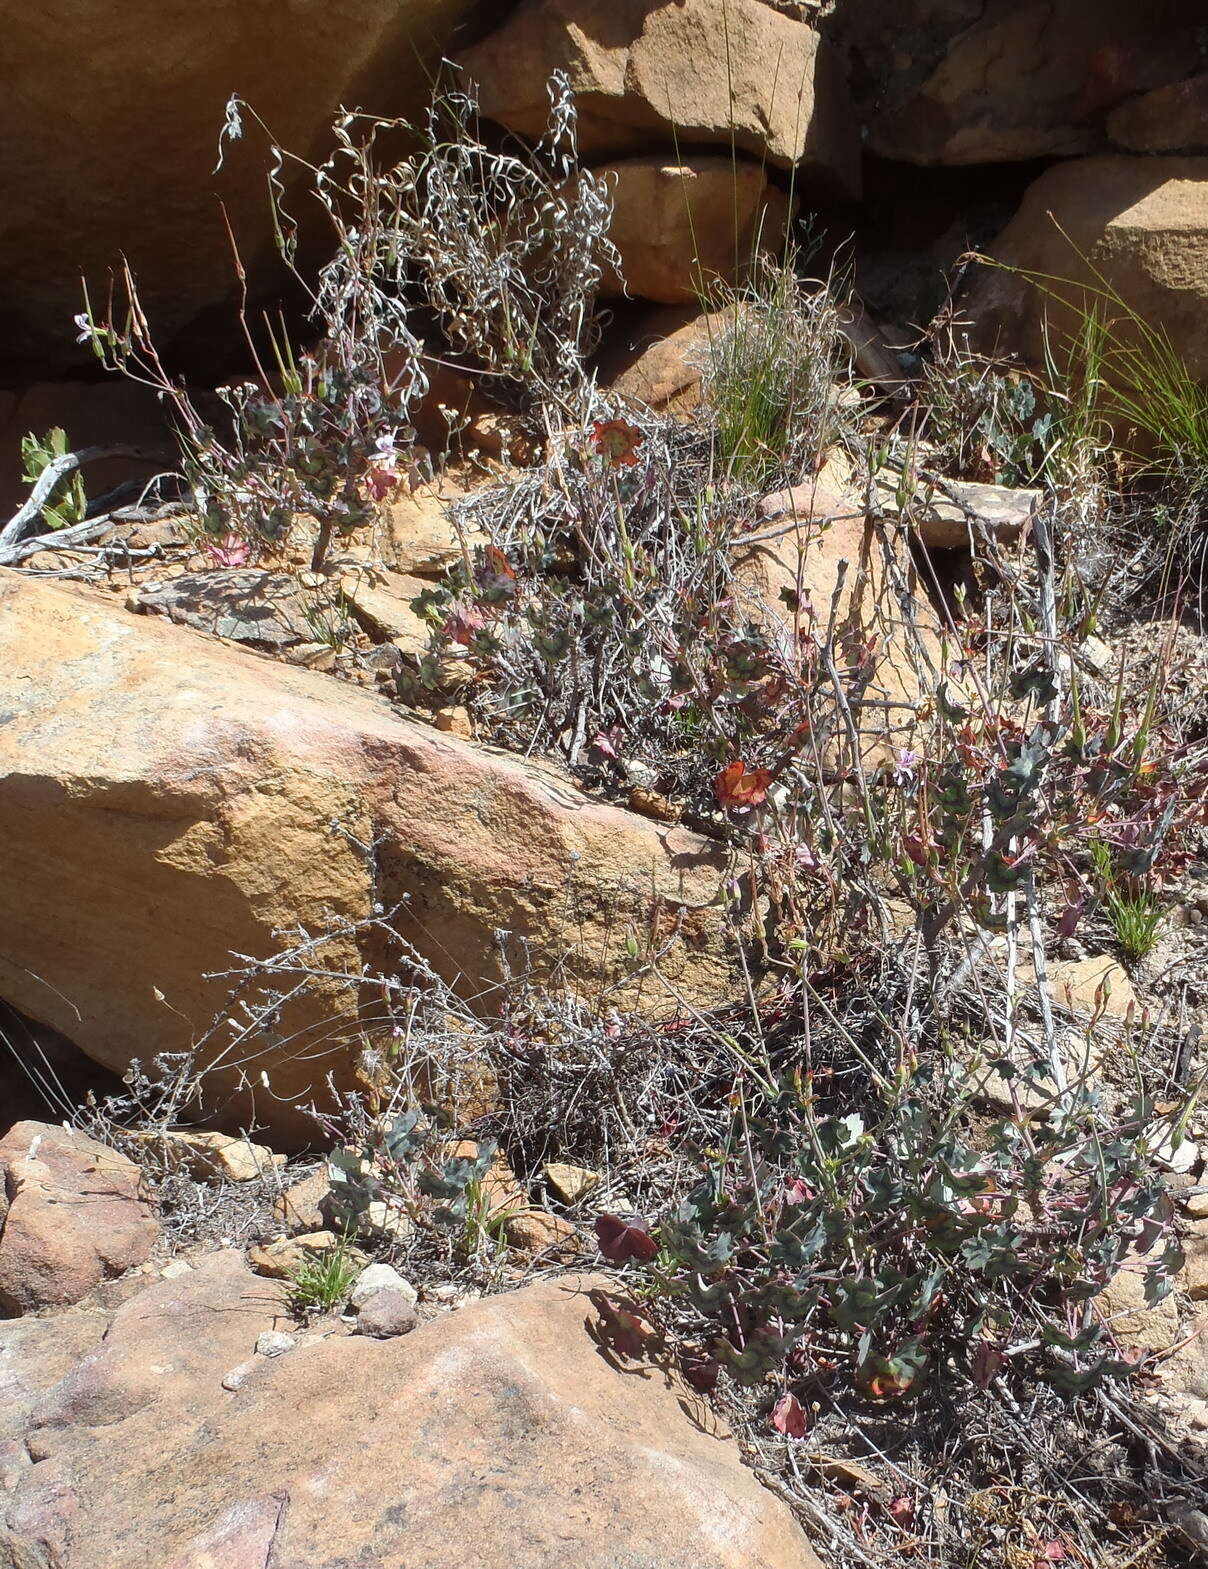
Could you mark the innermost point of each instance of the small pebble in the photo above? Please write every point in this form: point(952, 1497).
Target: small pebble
point(238, 1376)
point(175, 1270)
point(274, 1343)
point(381, 1277)
point(385, 1314)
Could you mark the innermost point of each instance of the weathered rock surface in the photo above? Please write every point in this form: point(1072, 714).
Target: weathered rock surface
point(1140, 222)
point(993, 81)
point(207, 1156)
point(380, 1277)
point(682, 226)
point(1097, 984)
point(245, 605)
point(677, 72)
point(70, 1216)
point(494, 1435)
point(158, 77)
point(283, 1257)
point(167, 801)
point(659, 359)
point(817, 548)
point(418, 535)
point(381, 601)
point(385, 1314)
point(1195, 1270)
point(306, 1205)
point(35, 1353)
point(1171, 119)
point(944, 520)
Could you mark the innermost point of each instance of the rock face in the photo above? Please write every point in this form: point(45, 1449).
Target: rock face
point(167, 801)
point(70, 1217)
point(996, 81)
point(659, 359)
point(682, 227)
point(1140, 222)
point(817, 548)
point(497, 1434)
point(263, 609)
point(686, 72)
point(158, 78)
point(1171, 119)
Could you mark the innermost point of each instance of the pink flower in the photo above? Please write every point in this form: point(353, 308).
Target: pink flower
point(229, 551)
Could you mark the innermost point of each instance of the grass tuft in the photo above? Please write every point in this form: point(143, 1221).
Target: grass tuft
point(321, 1284)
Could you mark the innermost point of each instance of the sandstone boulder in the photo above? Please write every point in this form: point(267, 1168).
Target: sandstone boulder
point(167, 801)
point(284, 1257)
point(207, 1157)
point(1142, 223)
point(418, 534)
point(70, 1217)
point(1000, 81)
point(1171, 119)
point(35, 1353)
point(244, 604)
point(658, 359)
point(494, 1435)
point(677, 72)
point(949, 519)
point(817, 555)
point(382, 602)
point(306, 1205)
point(682, 227)
point(385, 1314)
point(128, 168)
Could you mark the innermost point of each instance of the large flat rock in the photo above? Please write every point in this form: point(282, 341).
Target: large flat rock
point(496, 1435)
point(167, 802)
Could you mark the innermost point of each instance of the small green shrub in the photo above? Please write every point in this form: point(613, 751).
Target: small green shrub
point(68, 504)
point(1117, 378)
point(984, 420)
point(1131, 904)
point(893, 1245)
point(407, 1165)
point(320, 1284)
point(771, 386)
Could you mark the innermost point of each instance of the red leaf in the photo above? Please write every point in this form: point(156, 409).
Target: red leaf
point(738, 785)
point(1050, 1552)
point(463, 624)
point(985, 1364)
point(615, 440)
point(621, 1240)
point(701, 1371)
point(901, 1510)
point(382, 481)
point(604, 742)
point(1074, 911)
point(788, 1417)
point(624, 1332)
